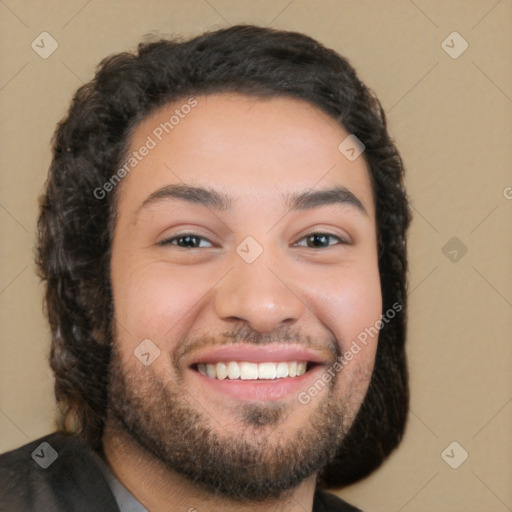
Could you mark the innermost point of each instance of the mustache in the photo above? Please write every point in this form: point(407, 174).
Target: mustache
point(246, 335)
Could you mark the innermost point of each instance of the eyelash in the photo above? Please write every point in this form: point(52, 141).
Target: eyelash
point(340, 240)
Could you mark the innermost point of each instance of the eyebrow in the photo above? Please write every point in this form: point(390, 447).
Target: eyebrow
point(313, 199)
point(217, 201)
point(198, 195)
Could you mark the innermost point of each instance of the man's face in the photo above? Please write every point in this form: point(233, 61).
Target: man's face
point(229, 257)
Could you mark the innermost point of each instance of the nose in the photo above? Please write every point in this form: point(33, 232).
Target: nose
point(259, 295)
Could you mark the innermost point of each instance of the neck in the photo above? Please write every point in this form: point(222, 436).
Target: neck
point(160, 489)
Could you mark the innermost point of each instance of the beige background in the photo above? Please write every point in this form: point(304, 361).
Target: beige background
point(451, 119)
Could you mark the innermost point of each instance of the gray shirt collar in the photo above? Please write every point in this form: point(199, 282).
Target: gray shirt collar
point(126, 501)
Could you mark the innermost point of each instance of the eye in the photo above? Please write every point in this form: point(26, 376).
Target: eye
point(320, 241)
point(187, 241)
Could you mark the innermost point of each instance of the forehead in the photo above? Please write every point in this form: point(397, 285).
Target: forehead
point(249, 148)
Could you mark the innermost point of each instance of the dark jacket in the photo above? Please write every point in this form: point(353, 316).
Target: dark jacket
point(63, 476)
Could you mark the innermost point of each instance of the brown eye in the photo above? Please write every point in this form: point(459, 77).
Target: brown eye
point(187, 241)
point(320, 241)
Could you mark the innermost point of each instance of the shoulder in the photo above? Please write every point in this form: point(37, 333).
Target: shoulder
point(327, 502)
point(53, 473)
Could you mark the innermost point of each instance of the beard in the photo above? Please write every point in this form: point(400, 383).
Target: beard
point(252, 464)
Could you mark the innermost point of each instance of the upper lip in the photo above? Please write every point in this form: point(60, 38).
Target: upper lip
point(260, 354)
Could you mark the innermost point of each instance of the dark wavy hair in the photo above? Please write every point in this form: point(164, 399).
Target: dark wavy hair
point(75, 227)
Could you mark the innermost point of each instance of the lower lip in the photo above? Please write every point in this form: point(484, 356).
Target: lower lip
point(261, 389)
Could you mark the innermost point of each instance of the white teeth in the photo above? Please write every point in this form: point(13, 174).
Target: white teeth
point(222, 371)
point(248, 371)
point(282, 370)
point(252, 371)
point(210, 371)
point(267, 371)
point(233, 370)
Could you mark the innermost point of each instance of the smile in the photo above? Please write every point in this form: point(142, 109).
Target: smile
point(244, 370)
point(257, 372)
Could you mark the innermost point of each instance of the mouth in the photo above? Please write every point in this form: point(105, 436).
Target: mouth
point(257, 372)
point(246, 370)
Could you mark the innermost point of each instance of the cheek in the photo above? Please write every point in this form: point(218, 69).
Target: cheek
point(349, 304)
point(151, 300)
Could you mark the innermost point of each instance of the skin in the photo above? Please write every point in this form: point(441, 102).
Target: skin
point(255, 151)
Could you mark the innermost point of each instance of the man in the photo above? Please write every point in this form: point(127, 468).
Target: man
point(222, 238)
